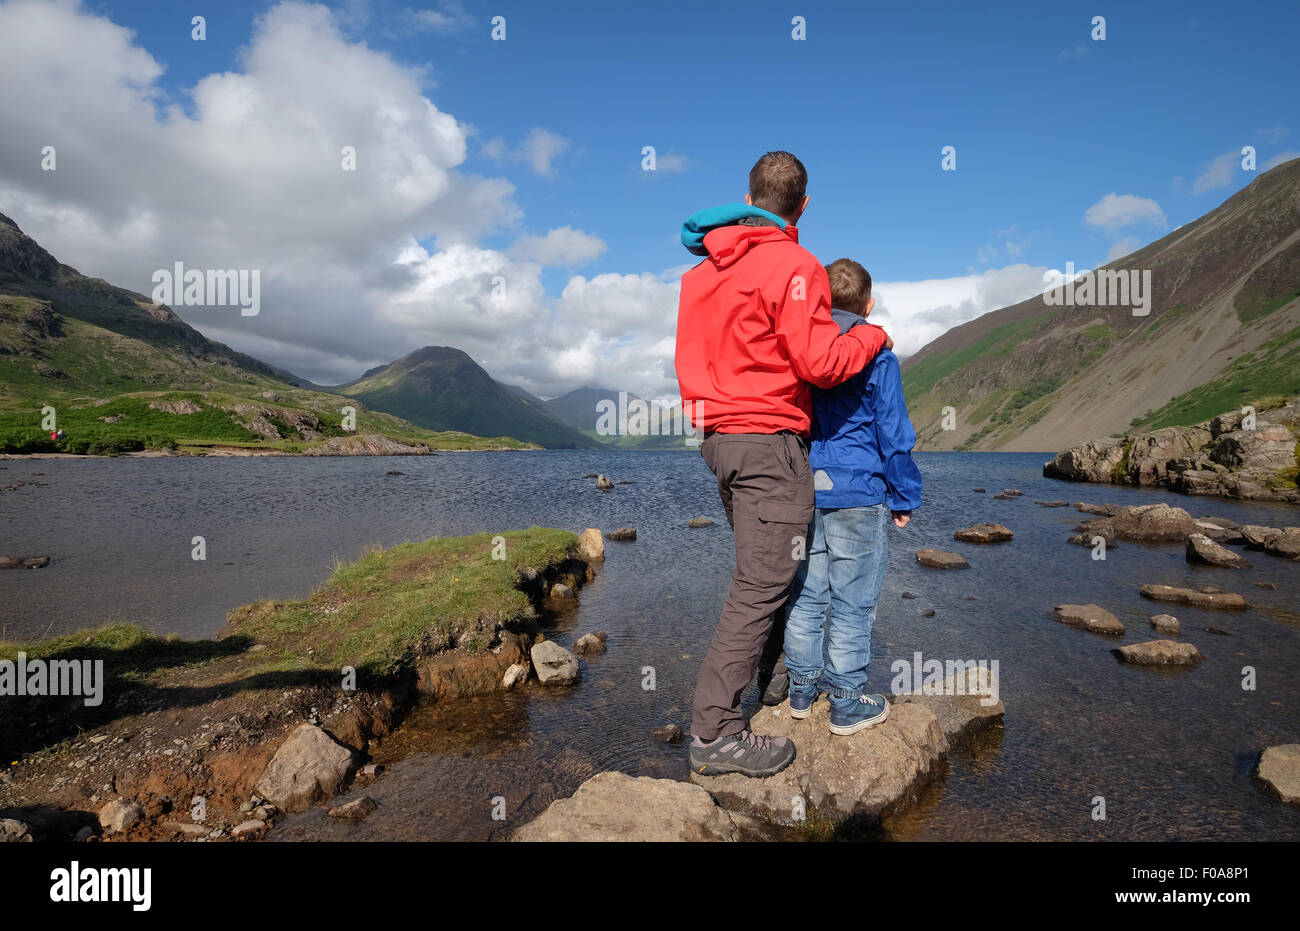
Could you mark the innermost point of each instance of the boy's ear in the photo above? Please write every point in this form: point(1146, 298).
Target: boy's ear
point(749, 200)
point(871, 303)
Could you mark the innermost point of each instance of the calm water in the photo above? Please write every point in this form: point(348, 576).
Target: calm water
point(1171, 751)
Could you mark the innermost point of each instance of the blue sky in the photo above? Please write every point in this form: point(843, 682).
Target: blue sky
point(1046, 123)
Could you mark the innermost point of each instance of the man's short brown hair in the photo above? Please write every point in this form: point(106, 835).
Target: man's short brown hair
point(778, 182)
point(850, 285)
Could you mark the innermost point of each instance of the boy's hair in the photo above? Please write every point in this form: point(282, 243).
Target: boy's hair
point(777, 183)
point(850, 285)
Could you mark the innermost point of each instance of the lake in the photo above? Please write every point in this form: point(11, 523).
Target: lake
point(1171, 752)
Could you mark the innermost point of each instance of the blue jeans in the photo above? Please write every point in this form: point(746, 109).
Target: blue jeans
point(847, 555)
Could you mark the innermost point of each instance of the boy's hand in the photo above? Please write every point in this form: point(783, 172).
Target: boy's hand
point(901, 518)
point(889, 341)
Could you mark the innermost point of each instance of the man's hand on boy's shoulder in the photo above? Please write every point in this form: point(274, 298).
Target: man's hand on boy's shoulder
point(901, 518)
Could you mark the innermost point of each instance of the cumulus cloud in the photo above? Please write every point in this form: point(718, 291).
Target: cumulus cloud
point(917, 312)
point(564, 246)
point(1116, 211)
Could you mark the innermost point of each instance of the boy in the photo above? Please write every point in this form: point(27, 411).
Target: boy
point(864, 475)
point(754, 330)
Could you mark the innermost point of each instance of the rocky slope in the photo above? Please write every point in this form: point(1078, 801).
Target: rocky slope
point(1228, 456)
point(1223, 331)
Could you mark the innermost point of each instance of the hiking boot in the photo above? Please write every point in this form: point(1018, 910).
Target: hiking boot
point(867, 711)
point(776, 689)
point(742, 752)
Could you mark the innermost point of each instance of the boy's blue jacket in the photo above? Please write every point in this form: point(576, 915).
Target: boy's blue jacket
point(862, 438)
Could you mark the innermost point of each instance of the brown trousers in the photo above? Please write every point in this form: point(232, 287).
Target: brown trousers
point(766, 487)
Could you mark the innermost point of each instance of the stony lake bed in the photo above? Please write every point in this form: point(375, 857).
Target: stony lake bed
point(1172, 751)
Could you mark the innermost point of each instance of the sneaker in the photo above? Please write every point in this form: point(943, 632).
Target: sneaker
point(777, 689)
point(801, 705)
point(743, 752)
point(870, 710)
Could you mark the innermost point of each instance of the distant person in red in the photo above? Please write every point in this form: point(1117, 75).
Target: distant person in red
point(754, 331)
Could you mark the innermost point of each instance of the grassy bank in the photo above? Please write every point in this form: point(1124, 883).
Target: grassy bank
point(381, 614)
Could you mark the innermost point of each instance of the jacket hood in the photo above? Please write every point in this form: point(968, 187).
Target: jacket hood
point(703, 222)
point(726, 246)
point(846, 319)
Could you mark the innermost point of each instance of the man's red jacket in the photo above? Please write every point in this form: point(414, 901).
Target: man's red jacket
point(754, 329)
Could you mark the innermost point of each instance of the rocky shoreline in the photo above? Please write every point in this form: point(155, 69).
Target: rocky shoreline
point(213, 740)
point(1228, 456)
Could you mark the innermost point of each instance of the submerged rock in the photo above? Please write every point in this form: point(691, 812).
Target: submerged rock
point(1159, 653)
point(554, 664)
point(1089, 617)
point(616, 807)
point(1165, 624)
point(1279, 770)
point(591, 644)
point(941, 559)
point(356, 810)
point(603, 484)
point(696, 522)
point(1224, 601)
point(983, 533)
point(24, 562)
point(622, 534)
point(669, 734)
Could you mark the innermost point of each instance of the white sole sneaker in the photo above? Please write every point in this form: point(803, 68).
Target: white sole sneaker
point(844, 730)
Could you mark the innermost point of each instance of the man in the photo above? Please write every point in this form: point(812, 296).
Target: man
point(754, 330)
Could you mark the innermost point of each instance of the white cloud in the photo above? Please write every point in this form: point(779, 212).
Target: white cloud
point(539, 150)
point(1217, 174)
point(1123, 247)
point(1279, 159)
point(564, 246)
point(920, 311)
point(1115, 211)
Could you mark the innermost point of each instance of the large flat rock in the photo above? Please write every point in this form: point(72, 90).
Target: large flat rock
point(866, 775)
point(617, 807)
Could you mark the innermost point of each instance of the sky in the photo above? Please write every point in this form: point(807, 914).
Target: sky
point(499, 198)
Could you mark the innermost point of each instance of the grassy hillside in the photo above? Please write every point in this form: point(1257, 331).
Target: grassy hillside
point(1223, 331)
point(578, 408)
point(125, 374)
point(442, 388)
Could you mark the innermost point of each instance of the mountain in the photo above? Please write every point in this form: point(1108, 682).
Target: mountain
point(1223, 331)
point(442, 388)
point(123, 373)
point(581, 408)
